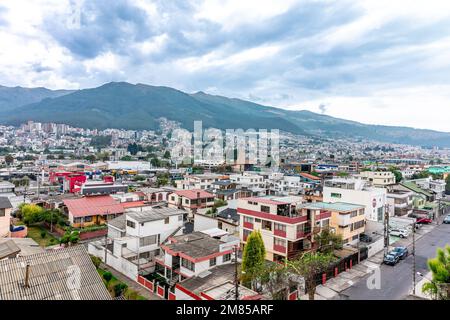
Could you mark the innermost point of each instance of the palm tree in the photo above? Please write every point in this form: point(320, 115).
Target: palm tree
point(439, 287)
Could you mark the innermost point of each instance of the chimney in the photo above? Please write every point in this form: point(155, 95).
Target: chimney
point(27, 276)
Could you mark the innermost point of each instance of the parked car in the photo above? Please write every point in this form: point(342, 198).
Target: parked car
point(402, 233)
point(447, 219)
point(401, 251)
point(424, 221)
point(390, 259)
point(365, 238)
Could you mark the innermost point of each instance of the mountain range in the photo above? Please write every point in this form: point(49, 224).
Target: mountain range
point(138, 106)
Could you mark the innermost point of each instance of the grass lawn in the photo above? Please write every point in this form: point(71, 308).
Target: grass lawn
point(34, 232)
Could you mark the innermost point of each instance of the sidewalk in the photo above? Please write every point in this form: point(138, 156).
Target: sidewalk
point(333, 287)
point(130, 283)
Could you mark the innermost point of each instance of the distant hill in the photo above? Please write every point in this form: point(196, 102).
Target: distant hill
point(128, 106)
point(13, 97)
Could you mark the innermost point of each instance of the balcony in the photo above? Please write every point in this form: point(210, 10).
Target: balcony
point(248, 225)
point(279, 233)
point(279, 248)
point(323, 215)
point(303, 233)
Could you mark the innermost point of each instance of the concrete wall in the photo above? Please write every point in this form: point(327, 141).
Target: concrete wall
point(4, 223)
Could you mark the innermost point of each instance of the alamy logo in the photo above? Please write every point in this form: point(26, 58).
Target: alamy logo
point(238, 146)
point(74, 21)
point(374, 280)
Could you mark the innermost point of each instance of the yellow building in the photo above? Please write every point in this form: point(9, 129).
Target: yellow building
point(347, 219)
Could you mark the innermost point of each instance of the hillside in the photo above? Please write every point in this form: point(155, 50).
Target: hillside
point(128, 106)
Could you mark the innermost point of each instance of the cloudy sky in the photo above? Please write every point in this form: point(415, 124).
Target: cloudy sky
point(380, 61)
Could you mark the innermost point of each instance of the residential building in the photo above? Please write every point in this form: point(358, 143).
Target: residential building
point(356, 191)
point(6, 187)
point(135, 238)
point(92, 210)
point(249, 180)
point(191, 200)
point(5, 216)
point(198, 181)
point(286, 228)
point(379, 179)
point(400, 202)
point(190, 255)
point(214, 284)
point(347, 219)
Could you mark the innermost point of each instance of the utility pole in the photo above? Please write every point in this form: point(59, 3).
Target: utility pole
point(386, 230)
point(236, 278)
point(106, 247)
point(414, 258)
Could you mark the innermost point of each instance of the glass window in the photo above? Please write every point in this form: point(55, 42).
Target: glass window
point(336, 195)
point(188, 264)
point(248, 219)
point(227, 257)
point(266, 225)
point(166, 220)
point(280, 227)
point(265, 209)
point(149, 240)
point(131, 224)
point(212, 262)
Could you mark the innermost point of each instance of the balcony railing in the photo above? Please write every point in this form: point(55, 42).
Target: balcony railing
point(303, 233)
point(248, 225)
point(279, 248)
point(279, 233)
point(323, 215)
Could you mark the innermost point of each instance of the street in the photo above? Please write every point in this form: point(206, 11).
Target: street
point(396, 281)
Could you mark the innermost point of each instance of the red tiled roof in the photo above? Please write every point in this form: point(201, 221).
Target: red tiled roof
point(194, 194)
point(90, 206)
point(133, 204)
point(309, 176)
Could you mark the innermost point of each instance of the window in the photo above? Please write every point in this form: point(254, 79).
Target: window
point(87, 219)
point(188, 264)
point(172, 198)
point(166, 220)
point(212, 262)
point(248, 219)
point(186, 201)
point(355, 237)
point(180, 218)
point(279, 242)
point(257, 220)
point(131, 224)
point(246, 233)
point(265, 209)
point(149, 240)
point(325, 223)
point(266, 225)
point(226, 257)
point(278, 226)
point(336, 195)
point(2, 212)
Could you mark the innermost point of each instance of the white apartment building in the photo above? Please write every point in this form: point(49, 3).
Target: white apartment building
point(378, 178)
point(356, 191)
point(400, 202)
point(198, 181)
point(134, 239)
point(249, 180)
point(436, 186)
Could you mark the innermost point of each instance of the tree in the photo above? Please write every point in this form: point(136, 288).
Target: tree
point(9, 159)
point(30, 213)
point(439, 287)
point(103, 156)
point(133, 148)
point(162, 180)
point(155, 162)
point(119, 289)
point(398, 175)
point(91, 158)
point(274, 278)
point(61, 157)
point(253, 258)
point(309, 266)
point(328, 241)
point(126, 158)
point(166, 154)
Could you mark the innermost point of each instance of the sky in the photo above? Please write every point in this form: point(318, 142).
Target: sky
point(373, 61)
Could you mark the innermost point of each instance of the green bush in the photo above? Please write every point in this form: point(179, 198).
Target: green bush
point(96, 261)
point(107, 276)
point(130, 294)
point(119, 289)
point(43, 234)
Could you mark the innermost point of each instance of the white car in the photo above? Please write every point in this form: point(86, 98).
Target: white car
point(402, 233)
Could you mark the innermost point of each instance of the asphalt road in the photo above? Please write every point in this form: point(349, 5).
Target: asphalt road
point(396, 281)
